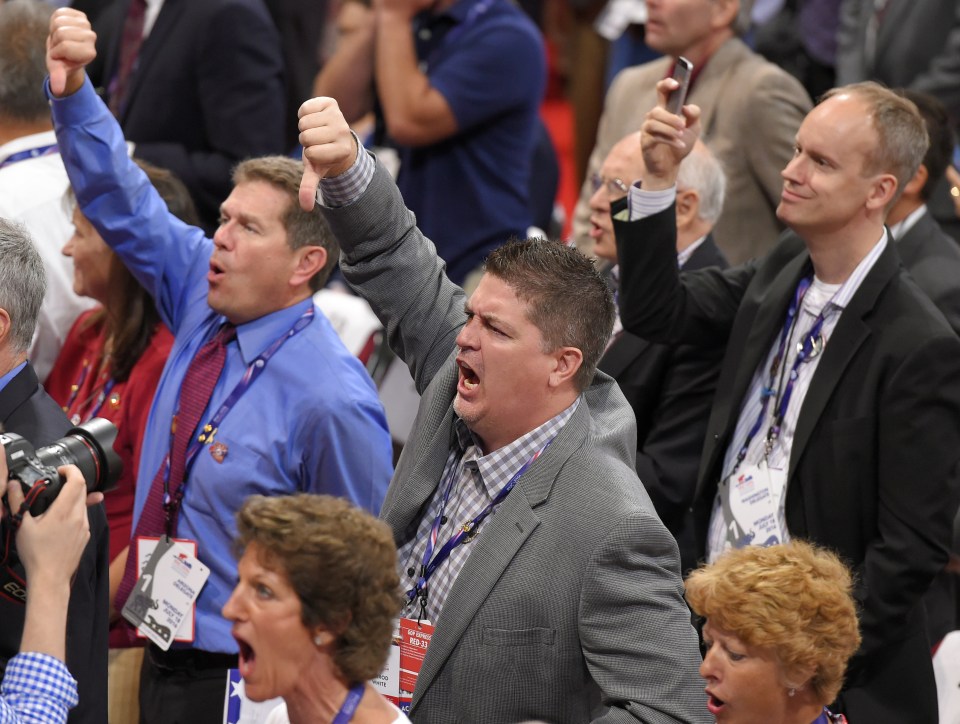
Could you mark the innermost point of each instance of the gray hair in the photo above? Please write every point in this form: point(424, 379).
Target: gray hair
point(23, 282)
point(701, 172)
point(24, 26)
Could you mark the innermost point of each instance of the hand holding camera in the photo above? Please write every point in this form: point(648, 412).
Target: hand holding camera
point(50, 547)
point(88, 446)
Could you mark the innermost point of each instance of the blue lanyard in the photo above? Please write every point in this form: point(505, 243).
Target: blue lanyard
point(350, 705)
point(784, 393)
point(171, 502)
point(463, 535)
point(28, 154)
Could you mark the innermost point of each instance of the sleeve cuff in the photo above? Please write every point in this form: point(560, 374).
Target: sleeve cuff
point(647, 203)
point(347, 187)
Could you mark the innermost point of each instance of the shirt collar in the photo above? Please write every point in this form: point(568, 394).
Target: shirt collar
point(852, 283)
point(25, 143)
point(498, 467)
point(255, 336)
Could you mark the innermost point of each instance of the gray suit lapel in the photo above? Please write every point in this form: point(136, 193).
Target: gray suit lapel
point(500, 537)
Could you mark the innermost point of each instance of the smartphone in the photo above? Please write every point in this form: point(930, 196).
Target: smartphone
point(682, 70)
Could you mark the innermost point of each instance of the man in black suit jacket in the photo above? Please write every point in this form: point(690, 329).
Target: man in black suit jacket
point(866, 445)
point(669, 388)
point(25, 409)
point(205, 93)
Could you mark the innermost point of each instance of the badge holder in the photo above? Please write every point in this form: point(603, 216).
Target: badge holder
point(161, 605)
point(750, 500)
point(399, 677)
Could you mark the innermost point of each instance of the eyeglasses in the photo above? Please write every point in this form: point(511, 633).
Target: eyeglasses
point(615, 187)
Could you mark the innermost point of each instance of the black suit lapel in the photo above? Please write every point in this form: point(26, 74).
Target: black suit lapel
point(848, 336)
point(17, 391)
point(753, 334)
point(911, 245)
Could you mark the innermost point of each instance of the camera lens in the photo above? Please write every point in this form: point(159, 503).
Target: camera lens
point(90, 447)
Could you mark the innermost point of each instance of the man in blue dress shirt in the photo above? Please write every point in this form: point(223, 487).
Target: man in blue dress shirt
point(309, 421)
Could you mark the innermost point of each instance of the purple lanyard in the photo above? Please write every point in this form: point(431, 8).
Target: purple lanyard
point(28, 154)
point(783, 394)
point(75, 390)
point(254, 370)
point(350, 704)
point(463, 535)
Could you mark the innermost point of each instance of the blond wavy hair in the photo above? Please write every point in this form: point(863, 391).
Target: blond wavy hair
point(794, 600)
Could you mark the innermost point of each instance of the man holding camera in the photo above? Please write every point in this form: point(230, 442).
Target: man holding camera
point(25, 409)
point(36, 683)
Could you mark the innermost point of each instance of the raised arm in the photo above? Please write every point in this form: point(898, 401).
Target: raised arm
point(168, 257)
point(383, 254)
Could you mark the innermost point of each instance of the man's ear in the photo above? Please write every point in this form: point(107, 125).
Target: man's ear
point(5, 327)
point(688, 206)
point(883, 191)
point(567, 364)
point(310, 260)
point(724, 13)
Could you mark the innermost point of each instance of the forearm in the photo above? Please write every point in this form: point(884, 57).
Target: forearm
point(347, 75)
point(45, 624)
point(416, 114)
point(122, 204)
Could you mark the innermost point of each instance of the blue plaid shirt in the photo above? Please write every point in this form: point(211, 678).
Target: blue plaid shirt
point(36, 688)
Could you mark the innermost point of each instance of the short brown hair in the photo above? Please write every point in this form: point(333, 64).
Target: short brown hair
point(304, 228)
point(342, 564)
point(569, 302)
point(794, 599)
point(902, 139)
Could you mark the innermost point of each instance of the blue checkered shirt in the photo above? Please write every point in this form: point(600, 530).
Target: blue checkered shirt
point(36, 688)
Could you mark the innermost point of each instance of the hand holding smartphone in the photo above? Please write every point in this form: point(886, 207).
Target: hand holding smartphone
point(682, 70)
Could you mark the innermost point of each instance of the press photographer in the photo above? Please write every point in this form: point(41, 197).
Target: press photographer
point(26, 410)
point(36, 682)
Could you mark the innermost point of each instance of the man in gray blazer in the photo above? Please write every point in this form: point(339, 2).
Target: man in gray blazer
point(751, 110)
point(566, 603)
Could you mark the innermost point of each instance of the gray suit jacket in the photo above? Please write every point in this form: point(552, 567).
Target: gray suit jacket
point(751, 110)
point(917, 46)
point(569, 607)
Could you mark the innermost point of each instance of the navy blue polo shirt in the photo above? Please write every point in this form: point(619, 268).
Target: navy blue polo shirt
point(470, 192)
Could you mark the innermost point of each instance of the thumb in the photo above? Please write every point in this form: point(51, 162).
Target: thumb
point(308, 186)
point(58, 79)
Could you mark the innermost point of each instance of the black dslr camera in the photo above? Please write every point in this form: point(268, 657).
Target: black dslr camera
point(88, 446)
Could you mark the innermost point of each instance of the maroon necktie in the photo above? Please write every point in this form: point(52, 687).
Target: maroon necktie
point(130, 43)
point(195, 391)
